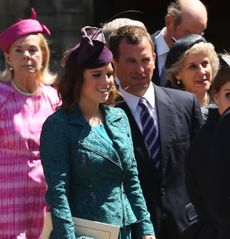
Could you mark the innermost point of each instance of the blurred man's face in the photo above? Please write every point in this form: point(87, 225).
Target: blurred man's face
point(135, 66)
point(189, 25)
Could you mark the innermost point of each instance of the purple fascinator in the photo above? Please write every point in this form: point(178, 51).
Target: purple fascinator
point(20, 29)
point(92, 52)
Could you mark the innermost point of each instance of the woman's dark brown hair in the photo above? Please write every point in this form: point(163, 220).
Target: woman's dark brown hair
point(70, 83)
point(223, 75)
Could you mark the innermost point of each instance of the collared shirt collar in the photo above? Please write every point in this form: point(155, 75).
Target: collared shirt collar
point(133, 103)
point(132, 100)
point(161, 45)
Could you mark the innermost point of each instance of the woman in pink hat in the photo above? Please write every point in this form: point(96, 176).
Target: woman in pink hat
point(25, 102)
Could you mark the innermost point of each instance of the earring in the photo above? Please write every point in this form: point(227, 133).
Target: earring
point(178, 82)
point(10, 67)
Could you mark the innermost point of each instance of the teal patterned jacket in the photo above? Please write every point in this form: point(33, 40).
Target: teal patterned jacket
point(89, 178)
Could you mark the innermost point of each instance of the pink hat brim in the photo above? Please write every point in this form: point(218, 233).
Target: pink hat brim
point(19, 29)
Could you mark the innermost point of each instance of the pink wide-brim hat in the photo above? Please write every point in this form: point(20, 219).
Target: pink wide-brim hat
point(20, 29)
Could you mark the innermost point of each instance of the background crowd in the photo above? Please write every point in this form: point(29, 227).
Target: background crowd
point(132, 132)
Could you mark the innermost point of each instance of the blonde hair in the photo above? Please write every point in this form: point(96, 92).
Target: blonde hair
point(45, 75)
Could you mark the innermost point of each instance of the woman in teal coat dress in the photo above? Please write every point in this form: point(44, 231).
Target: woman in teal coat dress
point(87, 151)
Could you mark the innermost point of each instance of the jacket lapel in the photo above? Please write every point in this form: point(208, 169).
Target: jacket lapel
point(166, 123)
point(101, 147)
point(138, 141)
point(90, 140)
point(118, 132)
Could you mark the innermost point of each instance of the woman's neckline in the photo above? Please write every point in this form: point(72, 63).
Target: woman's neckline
point(22, 92)
point(97, 125)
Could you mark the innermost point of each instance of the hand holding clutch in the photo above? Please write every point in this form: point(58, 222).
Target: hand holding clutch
point(149, 237)
point(85, 237)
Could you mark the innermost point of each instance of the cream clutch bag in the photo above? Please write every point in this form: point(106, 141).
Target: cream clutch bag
point(85, 227)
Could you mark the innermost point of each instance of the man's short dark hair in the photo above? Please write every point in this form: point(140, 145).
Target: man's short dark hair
point(132, 35)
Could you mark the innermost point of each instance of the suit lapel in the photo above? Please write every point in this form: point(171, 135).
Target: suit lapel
point(166, 123)
point(139, 145)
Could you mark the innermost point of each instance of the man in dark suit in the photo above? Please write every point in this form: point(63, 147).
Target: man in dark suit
point(178, 118)
point(183, 17)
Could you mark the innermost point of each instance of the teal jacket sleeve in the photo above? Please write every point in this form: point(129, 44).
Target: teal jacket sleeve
point(54, 156)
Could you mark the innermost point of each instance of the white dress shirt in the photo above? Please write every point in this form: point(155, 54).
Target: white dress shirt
point(132, 102)
point(162, 49)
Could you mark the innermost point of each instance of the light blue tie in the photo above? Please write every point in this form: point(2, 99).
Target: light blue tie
point(150, 131)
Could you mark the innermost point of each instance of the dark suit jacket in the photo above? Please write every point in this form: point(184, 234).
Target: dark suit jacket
point(156, 76)
point(197, 178)
point(165, 193)
point(207, 178)
point(219, 189)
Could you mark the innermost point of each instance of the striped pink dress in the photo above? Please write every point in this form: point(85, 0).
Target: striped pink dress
point(22, 184)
